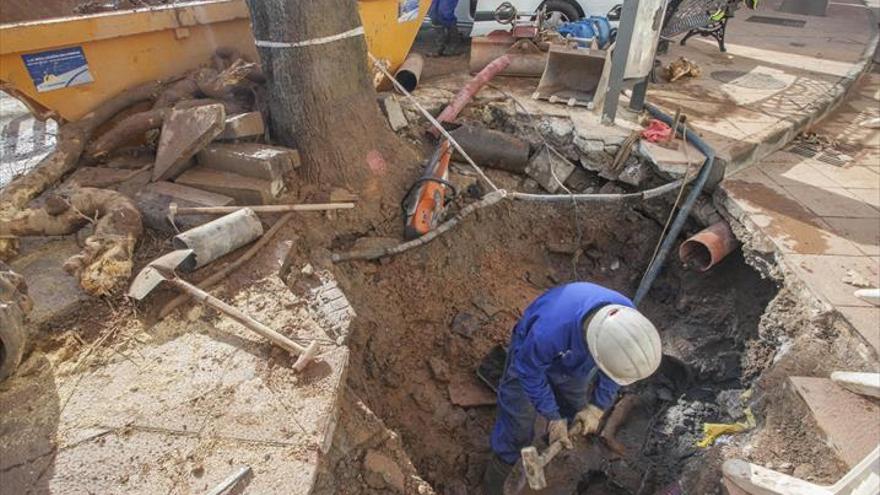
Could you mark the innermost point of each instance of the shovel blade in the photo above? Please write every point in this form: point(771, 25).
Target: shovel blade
point(533, 468)
point(154, 273)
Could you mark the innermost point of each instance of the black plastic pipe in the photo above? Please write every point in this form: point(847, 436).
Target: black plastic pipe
point(683, 212)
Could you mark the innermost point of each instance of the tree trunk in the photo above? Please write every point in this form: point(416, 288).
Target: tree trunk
point(321, 96)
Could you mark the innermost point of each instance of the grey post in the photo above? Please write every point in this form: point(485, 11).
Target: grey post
point(619, 58)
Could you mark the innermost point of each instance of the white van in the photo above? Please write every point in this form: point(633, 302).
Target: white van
point(479, 15)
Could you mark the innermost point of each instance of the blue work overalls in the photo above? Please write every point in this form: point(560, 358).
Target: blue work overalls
point(442, 13)
point(549, 369)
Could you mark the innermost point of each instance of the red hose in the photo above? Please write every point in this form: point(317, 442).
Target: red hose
point(466, 94)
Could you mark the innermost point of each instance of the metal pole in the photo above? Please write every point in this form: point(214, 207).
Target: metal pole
point(619, 58)
point(637, 100)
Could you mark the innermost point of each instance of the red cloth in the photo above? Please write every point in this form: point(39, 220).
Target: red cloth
point(657, 131)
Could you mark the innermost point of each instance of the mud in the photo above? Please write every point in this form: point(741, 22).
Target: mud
point(491, 268)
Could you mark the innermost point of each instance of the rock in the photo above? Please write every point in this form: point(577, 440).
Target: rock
point(243, 125)
point(393, 112)
point(465, 324)
point(634, 172)
point(579, 180)
point(439, 369)
point(155, 198)
point(54, 292)
point(549, 170)
point(383, 468)
point(466, 391)
point(274, 164)
point(484, 304)
point(455, 418)
point(184, 133)
point(244, 190)
point(558, 129)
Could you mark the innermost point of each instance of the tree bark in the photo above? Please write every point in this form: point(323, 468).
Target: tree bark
point(321, 97)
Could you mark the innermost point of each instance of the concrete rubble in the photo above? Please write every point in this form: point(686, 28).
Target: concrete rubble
point(243, 126)
point(184, 133)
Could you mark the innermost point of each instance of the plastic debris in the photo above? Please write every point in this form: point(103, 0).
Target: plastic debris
point(711, 431)
point(657, 132)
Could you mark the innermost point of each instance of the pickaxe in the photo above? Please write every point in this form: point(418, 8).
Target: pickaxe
point(162, 270)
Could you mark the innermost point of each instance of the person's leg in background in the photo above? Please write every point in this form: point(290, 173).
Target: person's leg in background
point(442, 14)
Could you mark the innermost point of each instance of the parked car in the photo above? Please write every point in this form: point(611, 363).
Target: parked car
point(479, 15)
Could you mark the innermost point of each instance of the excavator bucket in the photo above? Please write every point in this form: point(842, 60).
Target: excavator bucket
point(575, 76)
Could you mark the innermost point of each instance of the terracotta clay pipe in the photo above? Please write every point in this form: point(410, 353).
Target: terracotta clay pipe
point(705, 249)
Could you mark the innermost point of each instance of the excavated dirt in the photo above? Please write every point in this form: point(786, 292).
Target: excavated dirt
point(427, 318)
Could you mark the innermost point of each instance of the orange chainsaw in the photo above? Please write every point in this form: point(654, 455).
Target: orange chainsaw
point(425, 203)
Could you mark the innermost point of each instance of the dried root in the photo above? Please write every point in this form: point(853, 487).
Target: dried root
point(105, 263)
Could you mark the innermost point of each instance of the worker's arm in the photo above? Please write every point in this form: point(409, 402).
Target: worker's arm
point(531, 363)
point(605, 392)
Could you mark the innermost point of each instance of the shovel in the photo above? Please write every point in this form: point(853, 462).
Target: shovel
point(162, 270)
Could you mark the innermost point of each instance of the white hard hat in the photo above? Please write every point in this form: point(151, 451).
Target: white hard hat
point(624, 344)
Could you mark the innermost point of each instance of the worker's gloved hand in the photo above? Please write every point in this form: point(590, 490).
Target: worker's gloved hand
point(589, 419)
point(558, 429)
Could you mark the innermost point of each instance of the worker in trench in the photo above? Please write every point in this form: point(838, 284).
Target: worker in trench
point(570, 353)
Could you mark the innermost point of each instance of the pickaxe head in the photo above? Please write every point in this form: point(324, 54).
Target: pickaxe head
point(533, 466)
point(157, 271)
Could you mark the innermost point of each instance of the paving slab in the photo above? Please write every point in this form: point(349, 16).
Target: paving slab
point(244, 190)
point(185, 133)
point(242, 126)
point(865, 321)
point(185, 402)
point(826, 275)
point(274, 164)
point(54, 291)
point(848, 421)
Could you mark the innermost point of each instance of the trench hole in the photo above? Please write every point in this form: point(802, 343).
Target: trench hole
point(427, 319)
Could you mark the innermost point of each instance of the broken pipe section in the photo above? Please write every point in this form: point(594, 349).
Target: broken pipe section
point(705, 249)
point(493, 148)
point(410, 72)
point(218, 237)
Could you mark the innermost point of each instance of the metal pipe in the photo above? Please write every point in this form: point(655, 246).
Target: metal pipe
point(683, 212)
point(709, 246)
point(218, 237)
point(409, 74)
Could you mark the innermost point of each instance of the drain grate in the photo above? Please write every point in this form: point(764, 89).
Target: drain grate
point(777, 21)
point(749, 80)
point(824, 156)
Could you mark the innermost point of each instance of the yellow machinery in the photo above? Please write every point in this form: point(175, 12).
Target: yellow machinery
point(67, 66)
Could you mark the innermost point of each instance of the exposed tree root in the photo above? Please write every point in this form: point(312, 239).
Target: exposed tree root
point(72, 139)
point(105, 262)
point(125, 131)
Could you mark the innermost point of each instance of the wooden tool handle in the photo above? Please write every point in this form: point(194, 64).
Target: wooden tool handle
point(233, 312)
point(556, 446)
point(222, 210)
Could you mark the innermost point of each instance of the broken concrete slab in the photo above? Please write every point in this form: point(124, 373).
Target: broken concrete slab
point(243, 126)
point(672, 163)
point(467, 391)
point(393, 112)
point(549, 170)
point(244, 190)
point(848, 421)
point(155, 198)
point(260, 161)
point(185, 133)
point(54, 292)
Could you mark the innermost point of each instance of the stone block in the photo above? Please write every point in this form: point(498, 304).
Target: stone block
point(549, 170)
point(848, 421)
point(185, 133)
point(154, 199)
point(383, 472)
point(394, 113)
point(244, 190)
point(55, 292)
point(273, 164)
point(242, 126)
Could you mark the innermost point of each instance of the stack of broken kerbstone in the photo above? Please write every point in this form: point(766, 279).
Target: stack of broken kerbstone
point(203, 158)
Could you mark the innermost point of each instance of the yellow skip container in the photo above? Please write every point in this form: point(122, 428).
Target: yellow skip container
point(67, 66)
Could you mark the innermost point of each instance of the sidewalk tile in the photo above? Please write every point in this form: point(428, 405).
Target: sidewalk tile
point(832, 202)
point(863, 232)
point(824, 275)
point(797, 171)
point(866, 321)
point(859, 177)
point(869, 196)
point(790, 225)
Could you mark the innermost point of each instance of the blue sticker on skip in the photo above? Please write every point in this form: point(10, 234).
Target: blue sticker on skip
point(58, 69)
